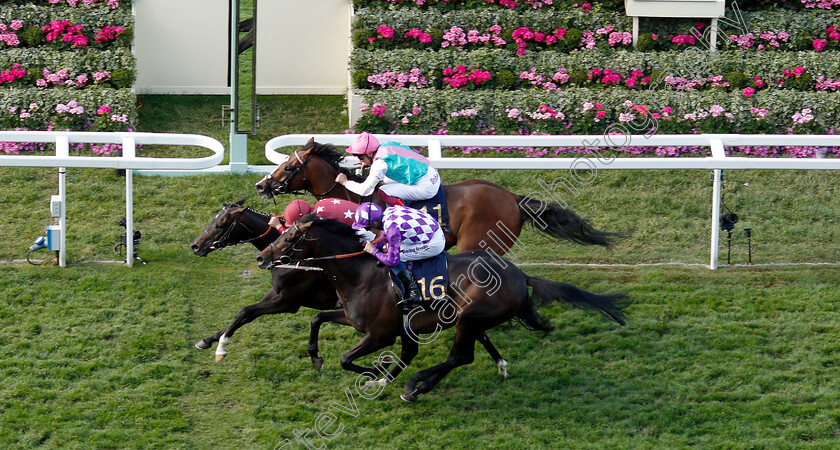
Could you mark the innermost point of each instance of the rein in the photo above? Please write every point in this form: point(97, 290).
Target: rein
point(295, 263)
point(220, 242)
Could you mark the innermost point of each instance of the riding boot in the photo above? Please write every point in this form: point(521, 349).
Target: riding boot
point(413, 297)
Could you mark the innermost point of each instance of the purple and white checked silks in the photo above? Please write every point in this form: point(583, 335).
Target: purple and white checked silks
point(415, 226)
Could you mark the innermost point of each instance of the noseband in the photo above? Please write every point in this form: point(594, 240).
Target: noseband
point(283, 185)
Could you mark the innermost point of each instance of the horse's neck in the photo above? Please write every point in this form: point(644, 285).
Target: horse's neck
point(324, 186)
point(258, 224)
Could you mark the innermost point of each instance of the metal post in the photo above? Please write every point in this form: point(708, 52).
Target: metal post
point(718, 152)
point(635, 30)
point(238, 142)
point(62, 150)
point(715, 219)
point(713, 39)
point(129, 153)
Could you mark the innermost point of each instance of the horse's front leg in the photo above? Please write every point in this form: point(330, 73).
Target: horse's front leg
point(367, 345)
point(407, 354)
point(271, 303)
point(336, 316)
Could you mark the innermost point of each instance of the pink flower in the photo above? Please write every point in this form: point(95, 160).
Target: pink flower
point(799, 70)
point(385, 31)
point(819, 44)
point(586, 7)
point(748, 92)
point(104, 109)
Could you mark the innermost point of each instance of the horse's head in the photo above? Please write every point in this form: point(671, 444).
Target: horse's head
point(222, 231)
point(311, 236)
point(290, 243)
point(290, 176)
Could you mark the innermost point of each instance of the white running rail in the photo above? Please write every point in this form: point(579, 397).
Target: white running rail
point(716, 162)
point(128, 161)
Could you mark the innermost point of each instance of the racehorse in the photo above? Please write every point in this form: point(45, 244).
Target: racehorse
point(482, 215)
point(488, 291)
point(291, 289)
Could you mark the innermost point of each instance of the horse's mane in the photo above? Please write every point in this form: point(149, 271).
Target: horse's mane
point(333, 157)
point(266, 216)
point(336, 228)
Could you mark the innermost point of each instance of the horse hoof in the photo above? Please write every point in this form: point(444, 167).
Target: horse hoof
point(201, 345)
point(219, 358)
point(503, 365)
point(318, 363)
point(373, 383)
point(410, 398)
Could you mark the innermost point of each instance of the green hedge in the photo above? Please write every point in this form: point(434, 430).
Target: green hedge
point(767, 65)
point(26, 106)
point(437, 105)
point(87, 61)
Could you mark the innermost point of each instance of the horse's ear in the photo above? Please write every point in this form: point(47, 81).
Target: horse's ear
point(240, 202)
point(309, 144)
point(304, 226)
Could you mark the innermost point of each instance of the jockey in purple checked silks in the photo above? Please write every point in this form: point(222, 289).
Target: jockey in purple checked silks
point(410, 235)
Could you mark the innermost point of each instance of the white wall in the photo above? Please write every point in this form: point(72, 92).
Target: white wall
point(181, 46)
point(303, 46)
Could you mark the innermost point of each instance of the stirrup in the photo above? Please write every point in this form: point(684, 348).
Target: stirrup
point(407, 304)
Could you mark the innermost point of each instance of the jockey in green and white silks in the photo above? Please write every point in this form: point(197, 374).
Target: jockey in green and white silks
point(405, 173)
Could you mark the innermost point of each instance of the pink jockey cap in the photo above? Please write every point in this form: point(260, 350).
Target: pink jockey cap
point(295, 210)
point(363, 144)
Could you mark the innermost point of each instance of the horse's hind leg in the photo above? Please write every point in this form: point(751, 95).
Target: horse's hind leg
point(462, 353)
point(336, 316)
point(497, 357)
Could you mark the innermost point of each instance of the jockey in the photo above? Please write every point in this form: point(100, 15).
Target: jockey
point(406, 174)
point(410, 235)
point(328, 208)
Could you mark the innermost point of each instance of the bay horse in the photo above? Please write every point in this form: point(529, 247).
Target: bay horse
point(488, 291)
point(291, 289)
point(482, 215)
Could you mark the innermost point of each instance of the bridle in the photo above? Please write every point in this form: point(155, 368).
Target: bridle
point(283, 185)
point(285, 260)
point(221, 241)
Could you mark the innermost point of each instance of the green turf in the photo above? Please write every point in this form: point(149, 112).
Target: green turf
point(101, 356)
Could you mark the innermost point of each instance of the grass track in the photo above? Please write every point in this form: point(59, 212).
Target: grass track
point(100, 356)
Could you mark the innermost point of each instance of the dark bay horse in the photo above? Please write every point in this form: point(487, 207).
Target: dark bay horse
point(487, 291)
point(291, 289)
point(482, 215)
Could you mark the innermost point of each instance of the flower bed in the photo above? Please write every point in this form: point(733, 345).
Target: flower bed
point(563, 69)
point(66, 65)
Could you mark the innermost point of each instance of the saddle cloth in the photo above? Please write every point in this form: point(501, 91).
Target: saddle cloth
point(432, 275)
point(436, 207)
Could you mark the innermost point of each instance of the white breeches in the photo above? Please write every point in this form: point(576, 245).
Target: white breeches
point(416, 252)
point(426, 187)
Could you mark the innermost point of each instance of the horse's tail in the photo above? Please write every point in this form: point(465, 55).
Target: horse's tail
point(610, 305)
point(553, 220)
